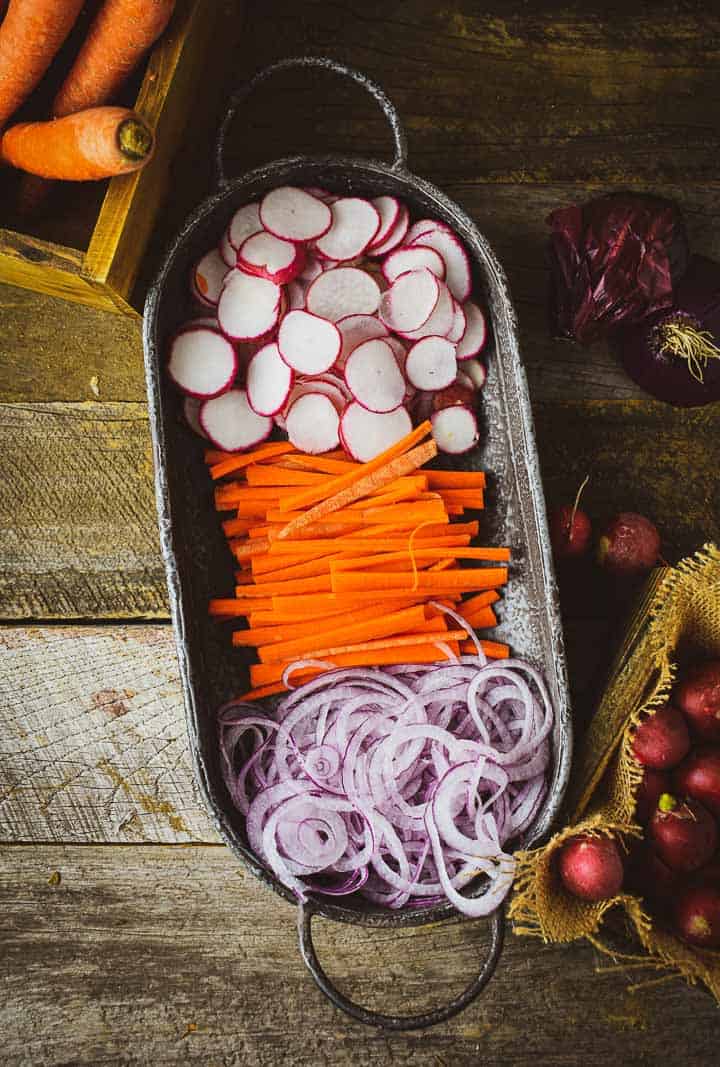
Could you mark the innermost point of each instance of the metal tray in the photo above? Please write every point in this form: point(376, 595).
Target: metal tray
point(199, 566)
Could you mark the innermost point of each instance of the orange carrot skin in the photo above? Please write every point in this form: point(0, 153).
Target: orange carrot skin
point(81, 147)
point(121, 33)
point(31, 35)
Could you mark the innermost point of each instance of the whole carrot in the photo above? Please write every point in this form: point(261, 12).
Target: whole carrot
point(120, 35)
point(98, 143)
point(31, 34)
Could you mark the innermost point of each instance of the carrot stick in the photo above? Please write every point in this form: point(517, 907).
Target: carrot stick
point(266, 673)
point(298, 607)
point(441, 553)
point(361, 543)
point(98, 143)
point(466, 498)
point(257, 475)
point(235, 527)
point(324, 464)
point(492, 649)
point(292, 610)
point(318, 584)
point(305, 569)
point(480, 601)
point(121, 33)
point(31, 35)
point(482, 619)
point(288, 631)
point(232, 608)
point(457, 580)
point(384, 643)
point(223, 463)
point(456, 479)
point(394, 623)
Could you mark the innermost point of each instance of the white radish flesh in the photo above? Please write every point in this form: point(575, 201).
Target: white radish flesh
point(313, 424)
point(455, 430)
point(366, 434)
point(459, 323)
point(431, 364)
point(354, 329)
point(374, 378)
point(439, 322)
point(202, 362)
point(228, 253)
point(231, 424)
point(339, 396)
point(294, 214)
point(191, 411)
point(271, 257)
point(335, 294)
point(307, 343)
point(475, 335)
point(243, 224)
point(248, 307)
point(269, 380)
point(388, 208)
point(208, 277)
point(457, 264)
point(476, 372)
point(354, 224)
point(402, 260)
point(424, 226)
point(396, 235)
point(410, 300)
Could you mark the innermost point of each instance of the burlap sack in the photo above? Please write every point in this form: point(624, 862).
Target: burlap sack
point(680, 614)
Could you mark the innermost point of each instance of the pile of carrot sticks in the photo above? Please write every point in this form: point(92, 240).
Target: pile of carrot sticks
point(350, 564)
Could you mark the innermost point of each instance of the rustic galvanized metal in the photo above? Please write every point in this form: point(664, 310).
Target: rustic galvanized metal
point(199, 566)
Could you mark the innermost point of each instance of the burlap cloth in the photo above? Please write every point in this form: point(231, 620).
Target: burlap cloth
point(680, 615)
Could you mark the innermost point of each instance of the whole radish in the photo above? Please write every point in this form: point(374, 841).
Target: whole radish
point(649, 876)
point(698, 776)
point(708, 874)
point(662, 739)
point(591, 867)
point(697, 917)
point(629, 545)
point(653, 785)
point(697, 694)
point(684, 833)
point(570, 529)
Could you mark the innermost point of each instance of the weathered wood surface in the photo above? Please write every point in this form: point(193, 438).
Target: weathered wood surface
point(171, 955)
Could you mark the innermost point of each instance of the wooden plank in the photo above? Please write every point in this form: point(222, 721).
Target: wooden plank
point(78, 526)
point(53, 269)
point(171, 955)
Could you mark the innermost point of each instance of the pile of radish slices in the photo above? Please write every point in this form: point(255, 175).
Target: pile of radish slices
point(336, 320)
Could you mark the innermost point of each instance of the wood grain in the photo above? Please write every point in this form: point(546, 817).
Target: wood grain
point(171, 955)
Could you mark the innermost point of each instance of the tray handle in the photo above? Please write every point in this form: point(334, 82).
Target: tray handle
point(322, 63)
point(399, 1022)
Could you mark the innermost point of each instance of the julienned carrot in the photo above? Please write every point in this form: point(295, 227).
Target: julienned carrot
point(499, 555)
point(481, 600)
point(456, 580)
point(288, 631)
point(223, 463)
point(428, 510)
point(465, 498)
point(305, 609)
point(492, 649)
point(257, 474)
point(456, 479)
point(226, 607)
point(399, 642)
point(120, 34)
point(235, 527)
point(318, 584)
point(31, 35)
point(267, 673)
point(98, 143)
point(397, 622)
point(324, 464)
point(361, 543)
point(303, 569)
point(482, 619)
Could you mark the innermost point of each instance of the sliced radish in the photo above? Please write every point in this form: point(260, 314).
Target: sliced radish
point(402, 260)
point(366, 434)
point(455, 430)
point(313, 424)
point(396, 235)
point(294, 215)
point(248, 306)
point(457, 262)
point(243, 224)
point(388, 208)
point(208, 277)
point(466, 380)
point(307, 343)
point(296, 295)
point(191, 411)
point(202, 362)
point(354, 224)
point(268, 381)
point(354, 329)
point(228, 253)
point(313, 267)
point(424, 226)
point(458, 324)
point(410, 300)
point(231, 424)
point(319, 192)
point(475, 335)
point(335, 294)
point(271, 257)
point(339, 397)
point(431, 364)
point(441, 320)
point(476, 372)
point(373, 376)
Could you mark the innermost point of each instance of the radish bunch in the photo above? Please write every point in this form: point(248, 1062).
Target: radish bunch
point(336, 320)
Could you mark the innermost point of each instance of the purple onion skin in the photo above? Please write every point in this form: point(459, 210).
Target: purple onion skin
point(664, 375)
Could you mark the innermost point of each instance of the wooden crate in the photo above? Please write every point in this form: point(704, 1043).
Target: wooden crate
point(103, 275)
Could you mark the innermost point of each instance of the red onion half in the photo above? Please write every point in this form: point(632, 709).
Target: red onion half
point(402, 784)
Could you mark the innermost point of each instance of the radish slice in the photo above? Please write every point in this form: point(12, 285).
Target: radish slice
point(294, 215)
point(476, 372)
point(335, 294)
point(191, 411)
point(388, 208)
point(410, 300)
point(202, 362)
point(431, 364)
point(424, 226)
point(439, 322)
point(354, 224)
point(455, 430)
point(396, 235)
point(466, 380)
point(320, 193)
point(475, 335)
point(313, 424)
point(231, 424)
point(271, 257)
point(248, 306)
point(457, 263)
point(307, 343)
point(208, 277)
point(367, 434)
point(338, 395)
point(374, 378)
point(296, 295)
point(404, 259)
point(268, 381)
point(458, 324)
point(354, 329)
point(244, 223)
point(228, 253)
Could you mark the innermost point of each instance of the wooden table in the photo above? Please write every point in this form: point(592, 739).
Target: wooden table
point(129, 933)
